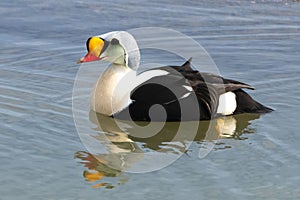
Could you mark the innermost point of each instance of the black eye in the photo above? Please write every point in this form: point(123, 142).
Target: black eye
point(114, 41)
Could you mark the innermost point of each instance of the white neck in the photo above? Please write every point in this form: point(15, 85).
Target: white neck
point(109, 94)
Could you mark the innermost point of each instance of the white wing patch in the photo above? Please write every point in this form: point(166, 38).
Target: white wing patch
point(227, 103)
point(186, 95)
point(189, 88)
point(145, 76)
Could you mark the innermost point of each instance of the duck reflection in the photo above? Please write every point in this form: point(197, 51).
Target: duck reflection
point(127, 142)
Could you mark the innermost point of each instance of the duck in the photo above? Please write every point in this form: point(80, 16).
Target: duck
point(165, 93)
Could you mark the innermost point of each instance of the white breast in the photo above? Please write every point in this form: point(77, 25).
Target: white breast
point(227, 103)
point(112, 91)
point(103, 97)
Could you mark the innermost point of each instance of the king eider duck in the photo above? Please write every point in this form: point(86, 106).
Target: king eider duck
point(169, 93)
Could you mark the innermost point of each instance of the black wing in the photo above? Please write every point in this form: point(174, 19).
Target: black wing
point(185, 94)
point(217, 85)
point(172, 92)
point(195, 77)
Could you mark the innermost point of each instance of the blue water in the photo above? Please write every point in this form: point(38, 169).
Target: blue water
point(257, 42)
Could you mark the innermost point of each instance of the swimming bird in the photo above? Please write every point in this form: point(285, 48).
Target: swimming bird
point(168, 93)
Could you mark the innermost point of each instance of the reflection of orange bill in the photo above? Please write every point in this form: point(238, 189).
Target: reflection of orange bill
point(92, 176)
point(89, 160)
point(98, 185)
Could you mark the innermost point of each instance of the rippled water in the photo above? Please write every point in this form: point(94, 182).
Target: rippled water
point(257, 42)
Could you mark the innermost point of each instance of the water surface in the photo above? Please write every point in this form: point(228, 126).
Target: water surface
point(256, 42)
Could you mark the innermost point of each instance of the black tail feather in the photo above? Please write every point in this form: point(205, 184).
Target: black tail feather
point(246, 104)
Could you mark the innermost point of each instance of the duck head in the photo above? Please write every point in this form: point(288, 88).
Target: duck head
point(117, 47)
point(101, 49)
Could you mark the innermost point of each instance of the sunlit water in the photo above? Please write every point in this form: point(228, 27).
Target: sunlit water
point(256, 42)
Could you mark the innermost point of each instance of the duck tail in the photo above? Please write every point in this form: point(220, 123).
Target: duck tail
point(246, 104)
